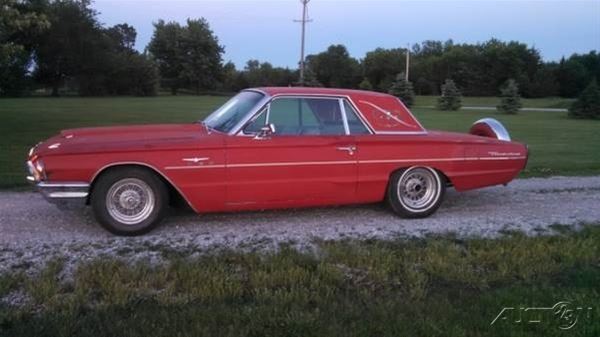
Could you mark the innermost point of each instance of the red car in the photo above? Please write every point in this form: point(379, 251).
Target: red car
point(272, 148)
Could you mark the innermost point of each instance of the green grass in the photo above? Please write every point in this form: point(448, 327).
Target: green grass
point(548, 102)
point(559, 145)
point(24, 122)
point(438, 286)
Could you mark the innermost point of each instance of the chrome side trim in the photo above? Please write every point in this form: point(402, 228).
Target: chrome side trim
point(153, 168)
point(300, 163)
point(191, 167)
point(402, 132)
point(344, 116)
point(342, 162)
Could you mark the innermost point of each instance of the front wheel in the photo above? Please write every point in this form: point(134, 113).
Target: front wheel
point(129, 201)
point(416, 192)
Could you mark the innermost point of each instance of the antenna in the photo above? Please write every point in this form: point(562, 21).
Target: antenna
point(303, 21)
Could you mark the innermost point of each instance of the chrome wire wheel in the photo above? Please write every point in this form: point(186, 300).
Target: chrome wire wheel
point(418, 189)
point(130, 201)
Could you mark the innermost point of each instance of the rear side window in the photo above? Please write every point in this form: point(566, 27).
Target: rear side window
point(355, 125)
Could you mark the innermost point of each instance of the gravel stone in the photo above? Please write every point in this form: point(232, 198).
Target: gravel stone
point(33, 231)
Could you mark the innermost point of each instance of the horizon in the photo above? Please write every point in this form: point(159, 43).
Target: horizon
point(239, 25)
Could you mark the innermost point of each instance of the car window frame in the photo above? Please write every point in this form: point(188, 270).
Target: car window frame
point(266, 108)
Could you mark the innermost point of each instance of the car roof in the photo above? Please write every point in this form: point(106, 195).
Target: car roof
point(272, 91)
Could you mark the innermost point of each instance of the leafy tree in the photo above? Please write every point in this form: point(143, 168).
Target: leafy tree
point(76, 49)
point(365, 84)
point(257, 74)
point(310, 80)
point(588, 103)
point(202, 63)
point(576, 72)
point(544, 82)
point(123, 37)
point(230, 78)
point(381, 64)
point(451, 98)
point(72, 48)
point(403, 89)
point(334, 67)
point(20, 21)
point(187, 56)
point(165, 50)
point(510, 100)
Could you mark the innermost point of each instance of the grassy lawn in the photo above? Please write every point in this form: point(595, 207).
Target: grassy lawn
point(548, 102)
point(438, 286)
point(559, 145)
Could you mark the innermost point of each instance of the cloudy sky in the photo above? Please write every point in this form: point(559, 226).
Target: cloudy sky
point(265, 30)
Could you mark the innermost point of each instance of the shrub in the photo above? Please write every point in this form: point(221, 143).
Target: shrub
point(451, 98)
point(510, 100)
point(403, 89)
point(588, 103)
point(365, 84)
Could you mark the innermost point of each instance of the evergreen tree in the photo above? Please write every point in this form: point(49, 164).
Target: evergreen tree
point(403, 89)
point(588, 103)
point(510, 100)
point(365, 84)
point(451, 98)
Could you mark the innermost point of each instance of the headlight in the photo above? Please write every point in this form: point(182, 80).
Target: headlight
point(36, 170)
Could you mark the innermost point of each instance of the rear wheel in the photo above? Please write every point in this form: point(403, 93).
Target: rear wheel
point(129, 201)
point(416, 192)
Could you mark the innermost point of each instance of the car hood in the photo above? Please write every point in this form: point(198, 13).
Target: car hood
point(125, 138)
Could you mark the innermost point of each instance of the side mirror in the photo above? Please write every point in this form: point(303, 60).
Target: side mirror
point(266, 131)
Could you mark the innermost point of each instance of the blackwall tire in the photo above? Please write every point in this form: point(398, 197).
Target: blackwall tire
point(416, 192)
point(129, 201)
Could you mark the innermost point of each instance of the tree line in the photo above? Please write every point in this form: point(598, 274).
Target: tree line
point(59, 46)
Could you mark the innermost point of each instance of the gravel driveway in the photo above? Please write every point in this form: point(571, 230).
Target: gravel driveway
point(31, 230)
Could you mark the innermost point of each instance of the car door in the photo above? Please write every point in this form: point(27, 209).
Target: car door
point(308, 160)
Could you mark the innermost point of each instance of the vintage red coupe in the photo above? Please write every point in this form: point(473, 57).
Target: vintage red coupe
point(272, 148)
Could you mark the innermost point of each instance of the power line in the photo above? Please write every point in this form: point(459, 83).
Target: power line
point(303, 21)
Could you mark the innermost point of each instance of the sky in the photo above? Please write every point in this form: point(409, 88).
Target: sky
point(265, 30)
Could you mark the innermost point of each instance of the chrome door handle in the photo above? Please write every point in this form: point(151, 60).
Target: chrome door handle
point(351, 149)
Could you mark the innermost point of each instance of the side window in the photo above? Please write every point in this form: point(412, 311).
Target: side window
point(355, 125)
point(303, 116)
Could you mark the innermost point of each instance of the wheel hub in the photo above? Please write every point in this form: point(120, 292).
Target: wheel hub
point(418, 189)
point(130, 201)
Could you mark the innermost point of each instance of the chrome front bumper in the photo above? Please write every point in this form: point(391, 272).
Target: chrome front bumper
point(63, 193)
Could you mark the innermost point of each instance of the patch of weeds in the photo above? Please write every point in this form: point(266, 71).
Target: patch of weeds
point(45, 286)
point(561, 229)
point(10, 282)
point(435, 286)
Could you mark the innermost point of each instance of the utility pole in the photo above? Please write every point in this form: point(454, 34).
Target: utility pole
point(407, 59)
point(303, 21)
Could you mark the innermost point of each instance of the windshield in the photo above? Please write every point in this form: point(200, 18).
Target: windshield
point(229, 115)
